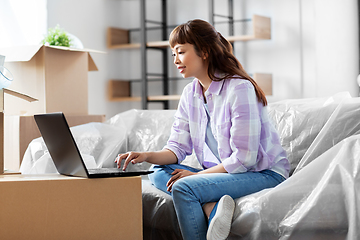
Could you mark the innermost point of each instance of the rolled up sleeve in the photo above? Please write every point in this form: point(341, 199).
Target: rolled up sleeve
point(180, 142)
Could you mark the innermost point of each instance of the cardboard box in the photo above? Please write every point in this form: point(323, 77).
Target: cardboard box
point(46, 207)
point(21, 130)
point(2, 131)
point(118, 89)
point(264, 80)
point(56, 76)
point(117, 36)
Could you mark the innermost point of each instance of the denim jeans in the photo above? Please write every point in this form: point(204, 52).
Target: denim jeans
point(191, 193)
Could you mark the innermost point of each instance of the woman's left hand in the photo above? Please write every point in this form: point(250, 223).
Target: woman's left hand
point(177, 174)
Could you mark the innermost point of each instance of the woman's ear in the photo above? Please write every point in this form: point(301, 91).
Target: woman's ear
point(205, 55)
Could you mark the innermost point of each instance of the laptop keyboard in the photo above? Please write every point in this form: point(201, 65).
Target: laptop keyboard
point(105, 170)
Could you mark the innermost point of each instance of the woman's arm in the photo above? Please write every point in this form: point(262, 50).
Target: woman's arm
point(162, 157)
point(216, 169)
point(180, 173)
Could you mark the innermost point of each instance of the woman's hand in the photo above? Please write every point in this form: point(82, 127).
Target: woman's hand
point(133, 157)
point(162, 157)
point(177, 174)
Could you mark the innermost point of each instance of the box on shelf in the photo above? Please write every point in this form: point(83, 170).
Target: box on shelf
point(117, 36)
point(52, 206)
point(264, 80)
point(56, 76)
point(2, 127)
point(118, 89)
point(21, 130)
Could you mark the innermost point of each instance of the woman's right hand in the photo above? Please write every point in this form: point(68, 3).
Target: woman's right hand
point(133, 157)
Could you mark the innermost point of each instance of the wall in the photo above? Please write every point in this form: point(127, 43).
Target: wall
point(314, 47)
point(331, 63)
point(88, 20)
point(313, 51)
point(22, 22)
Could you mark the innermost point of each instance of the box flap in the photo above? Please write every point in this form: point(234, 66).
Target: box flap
point(92, 65)
point(16, 94)
point(26, 53)
point(20, 95)
point(19, 53)
point(76, 49)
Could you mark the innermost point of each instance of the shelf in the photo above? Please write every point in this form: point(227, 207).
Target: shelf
point(119, 90)
point(125, 99)
point(118, 38)
point(157, 44)
point(150, 98)
point(164, 97)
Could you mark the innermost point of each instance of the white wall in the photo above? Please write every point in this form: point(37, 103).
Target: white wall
point(334, 44)
point(88, 20)
point(22, 22)
point(313, 51)
point(314, 47)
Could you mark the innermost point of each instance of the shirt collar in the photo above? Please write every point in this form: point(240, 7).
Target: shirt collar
point(198, 89)
point(214, 88)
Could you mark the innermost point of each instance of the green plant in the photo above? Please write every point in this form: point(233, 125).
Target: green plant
point(57, 37)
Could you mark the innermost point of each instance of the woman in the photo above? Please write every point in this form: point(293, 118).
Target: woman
point(222, 117)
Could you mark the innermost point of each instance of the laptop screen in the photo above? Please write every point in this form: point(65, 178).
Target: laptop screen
point(61, 144)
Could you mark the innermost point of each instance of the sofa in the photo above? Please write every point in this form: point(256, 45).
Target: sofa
point(320, 199)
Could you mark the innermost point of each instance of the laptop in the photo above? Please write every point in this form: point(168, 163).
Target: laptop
point(65, 153)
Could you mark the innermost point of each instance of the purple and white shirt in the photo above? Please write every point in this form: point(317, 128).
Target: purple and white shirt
point(247, 140)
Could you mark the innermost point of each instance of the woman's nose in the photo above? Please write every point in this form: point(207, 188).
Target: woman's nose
point(176, 60)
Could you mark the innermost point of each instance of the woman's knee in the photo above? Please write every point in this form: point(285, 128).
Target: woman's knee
point(159, 177)
point(179, 186)
point(182, 186)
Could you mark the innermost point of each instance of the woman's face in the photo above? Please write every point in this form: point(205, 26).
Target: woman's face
point(188, 62)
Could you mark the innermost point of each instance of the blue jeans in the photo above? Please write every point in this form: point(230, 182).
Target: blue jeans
point(191, 193)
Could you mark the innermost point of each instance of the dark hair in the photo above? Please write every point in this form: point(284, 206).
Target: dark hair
point(207, 40)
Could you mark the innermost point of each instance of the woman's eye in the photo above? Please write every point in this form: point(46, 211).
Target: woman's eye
point(181, 52)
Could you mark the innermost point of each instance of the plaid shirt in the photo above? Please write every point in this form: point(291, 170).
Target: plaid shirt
point(247, 141)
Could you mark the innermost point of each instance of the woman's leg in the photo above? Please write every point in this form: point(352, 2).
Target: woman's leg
point(192, 192)
point(162, 174)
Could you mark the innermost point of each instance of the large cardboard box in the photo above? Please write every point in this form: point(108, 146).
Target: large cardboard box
point(46, 207)
point(56, 76)
point(21, 130)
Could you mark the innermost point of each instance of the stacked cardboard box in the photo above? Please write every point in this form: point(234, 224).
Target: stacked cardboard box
point(52, 206)
point(58, 78)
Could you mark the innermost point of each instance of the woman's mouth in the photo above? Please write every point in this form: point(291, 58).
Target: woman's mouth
point(181, 69)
